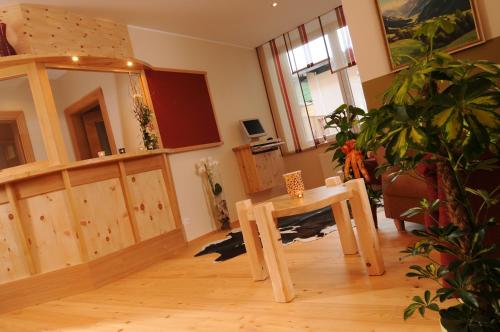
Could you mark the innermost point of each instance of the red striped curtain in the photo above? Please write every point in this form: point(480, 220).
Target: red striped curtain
point(324, 39)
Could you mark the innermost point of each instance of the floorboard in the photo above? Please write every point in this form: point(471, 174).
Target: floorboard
point(194, 294)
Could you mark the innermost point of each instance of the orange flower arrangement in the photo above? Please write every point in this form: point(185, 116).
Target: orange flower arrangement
point(354, 160)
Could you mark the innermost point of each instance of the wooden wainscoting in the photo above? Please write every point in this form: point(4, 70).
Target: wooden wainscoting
point(74, 227)
point(87, 276)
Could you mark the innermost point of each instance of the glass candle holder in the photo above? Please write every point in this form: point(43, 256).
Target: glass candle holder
point(294, 184)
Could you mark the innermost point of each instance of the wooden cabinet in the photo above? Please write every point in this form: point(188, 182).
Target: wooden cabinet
point(260, 171)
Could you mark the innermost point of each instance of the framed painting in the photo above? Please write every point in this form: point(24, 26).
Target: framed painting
point(400, 19)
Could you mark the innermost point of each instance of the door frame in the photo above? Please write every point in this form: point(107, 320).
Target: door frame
point(82, 105)
point(22, 136)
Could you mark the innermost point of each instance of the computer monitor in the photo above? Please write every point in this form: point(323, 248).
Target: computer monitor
point(253, 128)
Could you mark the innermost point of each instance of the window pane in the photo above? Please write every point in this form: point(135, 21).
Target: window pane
point(338, 41)
point(316, 43)
point(325, 96)
point(356, 87)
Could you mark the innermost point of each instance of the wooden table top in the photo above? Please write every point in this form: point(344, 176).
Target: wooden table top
point(313, 199)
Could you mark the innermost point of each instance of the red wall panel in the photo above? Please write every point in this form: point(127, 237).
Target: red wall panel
point(183, 108)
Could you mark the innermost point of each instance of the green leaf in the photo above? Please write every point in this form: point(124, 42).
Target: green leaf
point(433, 307)
point(418, 137)
point(453, 127)
point(421, 311)
point(418, 299)
point(412, 212)
point(410, 310)
point(442, 117)
point(488, 67)
point(487, 118)
point(427, 296)
point(401, 146)
point(468, 298)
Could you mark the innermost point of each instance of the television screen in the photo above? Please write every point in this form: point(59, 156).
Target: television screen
point(253, 127)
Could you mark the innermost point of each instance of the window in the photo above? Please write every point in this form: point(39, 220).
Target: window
point(309, 72)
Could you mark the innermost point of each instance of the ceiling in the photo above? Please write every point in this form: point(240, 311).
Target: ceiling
point(247, 23)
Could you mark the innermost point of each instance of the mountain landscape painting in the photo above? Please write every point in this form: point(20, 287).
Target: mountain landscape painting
point(400, 19)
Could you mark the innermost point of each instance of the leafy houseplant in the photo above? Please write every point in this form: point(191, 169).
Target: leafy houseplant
point(445, 112)
point(144, 115)
point(207, 169)
point(345, 119)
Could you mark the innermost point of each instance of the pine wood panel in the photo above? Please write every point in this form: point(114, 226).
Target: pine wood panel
point(45, 30)
point(13, 263)
point(270, 169)
point(260, 171)
point(141, 165)
point(101, 211)
point(150, 204)
point(39, 185)
point(83, 277)
point(49, 231)
point(3, 195)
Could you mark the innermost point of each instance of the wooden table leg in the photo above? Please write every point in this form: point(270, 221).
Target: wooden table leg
point(274, 253)
point(344, 226)
point(343, 221)
point(252, 241)
point(368, 238)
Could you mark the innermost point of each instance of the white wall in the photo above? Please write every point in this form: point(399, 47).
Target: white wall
point(368, 39)
point(238, 92)
point(15, 95)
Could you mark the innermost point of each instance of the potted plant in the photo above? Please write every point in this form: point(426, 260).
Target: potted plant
point(144, 115)
point(445, 112)
point(207, 168)
point(345, 120)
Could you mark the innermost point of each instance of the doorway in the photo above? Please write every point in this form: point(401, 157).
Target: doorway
point(89, 126)
point(15, 143)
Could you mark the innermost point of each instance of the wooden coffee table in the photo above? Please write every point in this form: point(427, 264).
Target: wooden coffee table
point(266, 253)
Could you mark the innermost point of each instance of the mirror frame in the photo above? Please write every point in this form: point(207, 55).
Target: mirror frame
point(35, 68)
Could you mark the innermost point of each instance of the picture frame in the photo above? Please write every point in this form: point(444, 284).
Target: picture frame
point(399, 18)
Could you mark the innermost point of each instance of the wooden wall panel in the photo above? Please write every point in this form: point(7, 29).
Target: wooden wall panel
point(39, 185)
point(150, 204)
point(46, 30)
point(3, 195)
point(49, 231)
point(13, 263)
point(87, 276)
point(102, 213)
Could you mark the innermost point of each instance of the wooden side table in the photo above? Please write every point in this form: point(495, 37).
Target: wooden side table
point(266, 254)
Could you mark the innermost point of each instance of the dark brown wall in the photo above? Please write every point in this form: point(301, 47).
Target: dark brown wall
point(375, 88)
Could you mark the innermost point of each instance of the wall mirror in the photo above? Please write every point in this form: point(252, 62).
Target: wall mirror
point(95, 110)
point(21, 139)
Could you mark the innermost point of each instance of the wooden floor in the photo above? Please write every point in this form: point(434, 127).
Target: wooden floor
point(194, 294)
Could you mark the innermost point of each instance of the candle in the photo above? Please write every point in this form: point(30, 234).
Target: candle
point(294, 184)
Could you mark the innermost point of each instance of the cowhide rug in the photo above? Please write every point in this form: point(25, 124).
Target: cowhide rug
point(304, 228)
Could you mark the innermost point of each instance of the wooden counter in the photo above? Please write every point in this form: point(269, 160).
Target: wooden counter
point(56, 218)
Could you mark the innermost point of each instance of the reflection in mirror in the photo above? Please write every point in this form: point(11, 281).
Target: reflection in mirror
point(95, 110)
point(21, 139)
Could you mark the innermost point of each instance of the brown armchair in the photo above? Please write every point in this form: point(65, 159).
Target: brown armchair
point(401, 194)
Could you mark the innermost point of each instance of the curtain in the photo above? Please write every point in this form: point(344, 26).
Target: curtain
point(286, 62)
